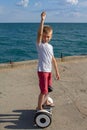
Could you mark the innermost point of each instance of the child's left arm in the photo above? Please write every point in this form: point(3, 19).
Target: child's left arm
point(56, 68)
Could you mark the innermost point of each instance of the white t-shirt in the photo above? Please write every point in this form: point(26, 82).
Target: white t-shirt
point(45, 53)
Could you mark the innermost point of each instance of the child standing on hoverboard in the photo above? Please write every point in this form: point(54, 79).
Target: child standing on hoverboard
point(46, 57)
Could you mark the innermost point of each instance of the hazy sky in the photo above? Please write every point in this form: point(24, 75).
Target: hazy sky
point(30, 10)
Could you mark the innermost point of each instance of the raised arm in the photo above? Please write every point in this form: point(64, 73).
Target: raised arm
point(40, 31)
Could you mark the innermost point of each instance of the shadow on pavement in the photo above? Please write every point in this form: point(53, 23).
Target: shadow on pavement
point(20, 119)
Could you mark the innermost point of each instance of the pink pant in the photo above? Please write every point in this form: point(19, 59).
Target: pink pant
point(45, 80)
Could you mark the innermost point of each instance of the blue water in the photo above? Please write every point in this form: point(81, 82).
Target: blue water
point(17, 40)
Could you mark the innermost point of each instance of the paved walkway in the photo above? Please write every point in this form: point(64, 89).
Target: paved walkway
point(19, 92)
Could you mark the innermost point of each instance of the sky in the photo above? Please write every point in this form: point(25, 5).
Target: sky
point(30, 10)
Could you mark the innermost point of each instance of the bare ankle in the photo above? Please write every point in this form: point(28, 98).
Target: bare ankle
point(39, 108)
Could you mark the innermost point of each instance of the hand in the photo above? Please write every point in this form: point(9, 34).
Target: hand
point(43, 15)
point(57, 76)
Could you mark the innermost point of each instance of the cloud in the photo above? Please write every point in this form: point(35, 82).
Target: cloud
point(83, 4)
point(38, 4)
point(1, 10)
point(77, 14)
point(23, 3)
point(73, 2)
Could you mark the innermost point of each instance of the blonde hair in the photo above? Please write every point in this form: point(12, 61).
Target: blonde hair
point(47, 29)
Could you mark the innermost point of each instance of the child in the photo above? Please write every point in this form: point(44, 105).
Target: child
point(46, 57)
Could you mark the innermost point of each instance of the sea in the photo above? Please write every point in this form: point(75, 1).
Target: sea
point(18, 40)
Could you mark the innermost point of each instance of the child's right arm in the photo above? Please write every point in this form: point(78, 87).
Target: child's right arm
point(40, 31)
